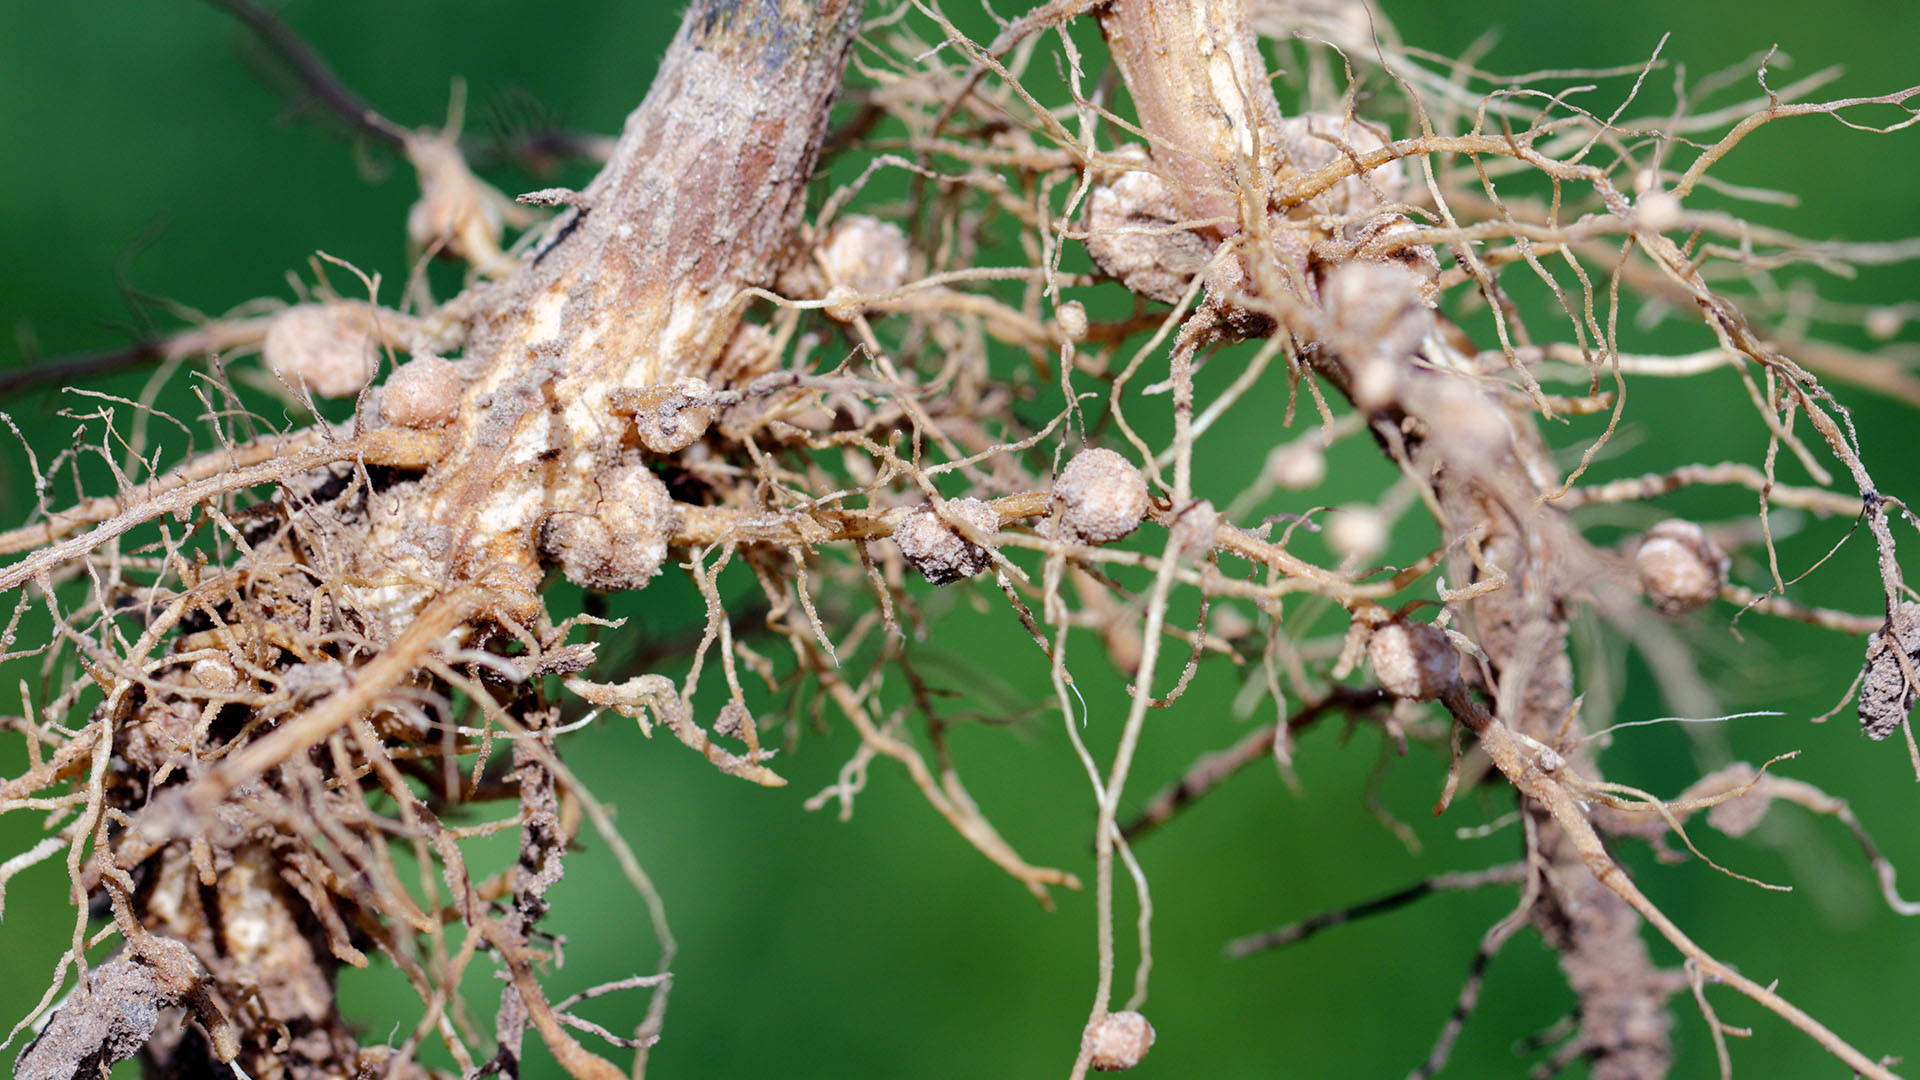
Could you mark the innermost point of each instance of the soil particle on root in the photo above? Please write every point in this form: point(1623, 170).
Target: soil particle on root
point(937, 550)
point(107, 1020)
point(1886, 695)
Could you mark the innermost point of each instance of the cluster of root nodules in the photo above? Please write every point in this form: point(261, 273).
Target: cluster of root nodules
point(241, 846)
point(265, 742)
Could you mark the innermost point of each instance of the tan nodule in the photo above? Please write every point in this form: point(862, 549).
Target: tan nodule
point(1102, 497)
point(621, 541)
point(1680, 567)
point(422, 393)
point(327, 348)
point(866, 254)
point(1413, 660)
point(1119, 1041)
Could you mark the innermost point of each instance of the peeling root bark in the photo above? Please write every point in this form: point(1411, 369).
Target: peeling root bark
point(640, 283)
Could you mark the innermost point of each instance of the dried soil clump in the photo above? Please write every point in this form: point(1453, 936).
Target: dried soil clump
point(669, 417)
point(937, 550)
point(1886, 692)
point(108, 1021)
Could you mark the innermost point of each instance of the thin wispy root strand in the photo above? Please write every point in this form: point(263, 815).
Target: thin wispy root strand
point(258, 669)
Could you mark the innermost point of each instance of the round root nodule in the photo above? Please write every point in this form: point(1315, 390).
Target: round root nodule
point(1375, 319)
point(1297, 466)
point(422, 393)
point(866, 254)
point(1193, 528)
point(1413, 660)
point(621, 542)
point(1131, 236)
point(1312, 141)
point(1357, 532)
point(843, 303)
point(328, 348)
point(1101, 495)
point(1120, 1041)
point(1680, 566)
point(1072, 319)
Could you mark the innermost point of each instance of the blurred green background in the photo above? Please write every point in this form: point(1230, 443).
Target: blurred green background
point(145, 155)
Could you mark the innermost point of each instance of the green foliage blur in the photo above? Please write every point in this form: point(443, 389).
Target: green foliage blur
point(151, 161)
